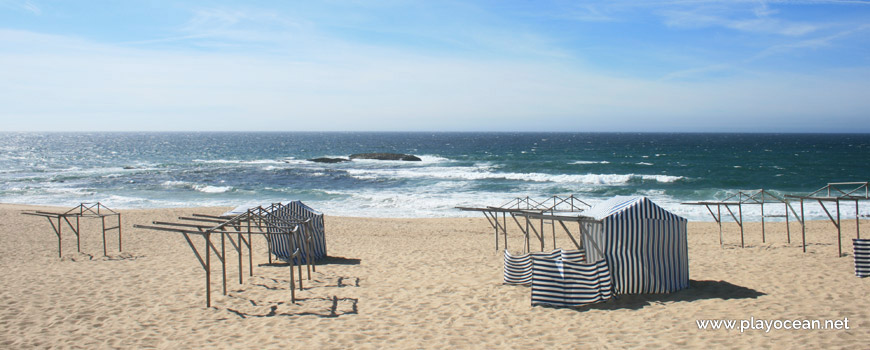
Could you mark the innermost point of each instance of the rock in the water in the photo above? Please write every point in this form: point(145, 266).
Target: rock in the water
point(328, 160)
point(386, 156)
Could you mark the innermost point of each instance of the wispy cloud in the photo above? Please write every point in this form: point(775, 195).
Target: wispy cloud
point(775, 50)
point(695, 73)
point(585, 12)
point(737, 16)
point(27, 5)
point(810, 44)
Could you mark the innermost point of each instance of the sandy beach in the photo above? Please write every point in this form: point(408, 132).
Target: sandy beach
point(406, 284)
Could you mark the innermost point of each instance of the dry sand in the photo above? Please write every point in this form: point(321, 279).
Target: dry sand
point(404, 284)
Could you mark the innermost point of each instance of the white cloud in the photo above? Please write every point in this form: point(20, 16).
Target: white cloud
point(716, 16)
point(813, 43)
point(26, 5)
point(64, 83)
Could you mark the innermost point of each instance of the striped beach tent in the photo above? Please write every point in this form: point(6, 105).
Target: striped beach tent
point(298, 211)
point(559, 282)
point(862, 256)
point(518, 268)
point(290, 212)
point(644, 245)
point(283, 245)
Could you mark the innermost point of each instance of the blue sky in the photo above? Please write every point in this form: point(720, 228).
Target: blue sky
point(719, 66)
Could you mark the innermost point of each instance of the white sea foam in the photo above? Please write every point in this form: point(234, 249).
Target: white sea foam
point(196, 187)
point(644, 163)
point(584, 162)
point(212, 189)
point(432, 200)
point(296, 161)
point(425, 160)
point(373, 203)
point(470, 173)
point(175, 184)
point(431, 159)
point(235, 161)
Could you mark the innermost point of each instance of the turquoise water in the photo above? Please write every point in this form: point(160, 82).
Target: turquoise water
point(140, 170)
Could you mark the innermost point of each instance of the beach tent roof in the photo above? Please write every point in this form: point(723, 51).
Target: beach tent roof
point(611, 206)
point(239, 210)
point(619, 204)
point(244, 208)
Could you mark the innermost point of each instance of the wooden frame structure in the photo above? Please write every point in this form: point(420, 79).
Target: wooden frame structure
point(521, 206)
point(758, 197)
point(836, 192)
point(561, 219)
point(242, 225)
point(645, 245)
point(83, 210)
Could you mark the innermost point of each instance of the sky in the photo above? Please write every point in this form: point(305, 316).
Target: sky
point(396, 65)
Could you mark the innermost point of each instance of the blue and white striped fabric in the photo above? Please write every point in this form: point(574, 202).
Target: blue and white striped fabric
point(644, 245)
point(559, 282)
point(518, 268)
point(302, 211)
point(578, 256)
point(862, 256)
point(281, 245)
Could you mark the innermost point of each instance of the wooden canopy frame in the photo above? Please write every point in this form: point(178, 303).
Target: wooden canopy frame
point(254, 221)
point(758, 197)
point(521, 206)
point(561, 219)
point(83, 210)
point(836, 192)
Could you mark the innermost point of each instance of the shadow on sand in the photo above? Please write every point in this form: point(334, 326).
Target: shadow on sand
point(339, 307)
point(329, 260)
point(698, 290)
point(337, 260)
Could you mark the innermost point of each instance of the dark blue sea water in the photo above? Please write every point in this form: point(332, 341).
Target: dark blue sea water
point(138, 170)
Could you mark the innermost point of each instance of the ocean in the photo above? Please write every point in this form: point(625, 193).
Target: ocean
point(186, 169)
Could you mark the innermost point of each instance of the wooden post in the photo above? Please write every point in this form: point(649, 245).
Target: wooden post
point(78, 235)
point(857, 221)
point(292, 283)
point(103, 219)
point(224, 261)
point(299, 266)
point(250, 251)
point(239, 249)
point(528, 237)
point(309, 242)
point(207, 270)
point(119, 233)
point(763, 238)
point(719, 221)
point(803, 227)
point(787, 226)
point(495, 226)
point(740, 210)
point(554, 233)
point(268, 240)
point(59, 235)
point(839, 230)
point(504, 228)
